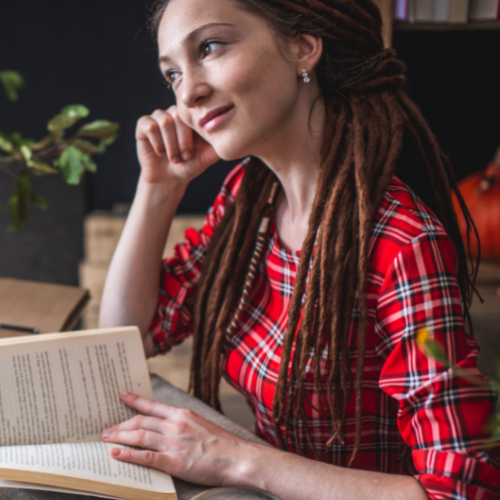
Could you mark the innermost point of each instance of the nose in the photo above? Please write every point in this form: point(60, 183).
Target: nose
point(194, 88)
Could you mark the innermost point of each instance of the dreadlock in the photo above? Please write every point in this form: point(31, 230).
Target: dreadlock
point(369, 118)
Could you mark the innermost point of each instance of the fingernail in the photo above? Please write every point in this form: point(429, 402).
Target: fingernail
point(115, 452)
point(186, 155)
point(175, 159)
point(105, 433)
point(125, 394)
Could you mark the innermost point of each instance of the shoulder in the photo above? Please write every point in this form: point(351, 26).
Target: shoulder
point(403, 219)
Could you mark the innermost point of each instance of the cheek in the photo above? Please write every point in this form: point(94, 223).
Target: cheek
point(260, 82)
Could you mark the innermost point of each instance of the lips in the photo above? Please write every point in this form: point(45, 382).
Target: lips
point(214, 113)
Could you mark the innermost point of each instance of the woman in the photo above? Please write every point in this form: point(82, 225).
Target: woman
point(316, 267)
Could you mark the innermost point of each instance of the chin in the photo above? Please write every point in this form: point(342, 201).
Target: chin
point(231, 148)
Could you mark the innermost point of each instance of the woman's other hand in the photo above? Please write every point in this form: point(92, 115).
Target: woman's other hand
point(170, 150)
point(180, 442)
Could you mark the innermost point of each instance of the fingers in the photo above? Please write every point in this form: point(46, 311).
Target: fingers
point(147, 458)
point(184, 135)
point(148, 406)
point(148, 130)
point(139, 422)
point(175, 136)
point(140, 438)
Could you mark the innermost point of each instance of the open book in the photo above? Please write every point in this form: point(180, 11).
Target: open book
point(57, 393)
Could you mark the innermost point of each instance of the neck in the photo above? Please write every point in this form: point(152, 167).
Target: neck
point(293, 154)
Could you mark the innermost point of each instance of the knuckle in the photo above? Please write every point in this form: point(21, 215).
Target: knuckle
point(166, 121)
point(151, 126)
point(186, 413)
point(149, 458)
point(182, 427)
point(138, 420)
point(141, 436)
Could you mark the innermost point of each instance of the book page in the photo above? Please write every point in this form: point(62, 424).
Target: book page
point(64, 388)
point(5, 483)
point(88, 461)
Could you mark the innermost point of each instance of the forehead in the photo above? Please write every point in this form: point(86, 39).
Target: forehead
point(181, 17)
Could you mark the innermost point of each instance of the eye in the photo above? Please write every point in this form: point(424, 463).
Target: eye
point(209, 47)
point(171, 76)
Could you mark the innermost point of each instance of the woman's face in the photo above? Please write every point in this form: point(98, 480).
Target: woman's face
point(234, 83)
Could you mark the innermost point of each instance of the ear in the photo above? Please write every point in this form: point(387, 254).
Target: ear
point(309, 49)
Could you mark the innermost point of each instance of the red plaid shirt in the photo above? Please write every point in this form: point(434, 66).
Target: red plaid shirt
point(418, 418)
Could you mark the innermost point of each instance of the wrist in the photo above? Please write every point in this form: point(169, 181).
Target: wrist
point(247, 470)
point(158, 192)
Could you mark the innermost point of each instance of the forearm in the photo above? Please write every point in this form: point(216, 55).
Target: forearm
point(131, 290)
point(292, 477)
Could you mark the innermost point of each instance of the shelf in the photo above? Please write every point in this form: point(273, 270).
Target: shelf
point(483, 25)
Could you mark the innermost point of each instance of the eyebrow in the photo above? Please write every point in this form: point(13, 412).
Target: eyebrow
point(192, 35)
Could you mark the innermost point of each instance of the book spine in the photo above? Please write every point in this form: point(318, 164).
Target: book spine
point(401, 10)
point(411, 11)
point(424, 11)
point(442, 11)
point(484, 10)
point(459, 11)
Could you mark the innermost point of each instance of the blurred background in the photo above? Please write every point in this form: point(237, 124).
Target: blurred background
point(100, 53)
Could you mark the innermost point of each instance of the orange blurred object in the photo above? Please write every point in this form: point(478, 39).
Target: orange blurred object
point(481, 192)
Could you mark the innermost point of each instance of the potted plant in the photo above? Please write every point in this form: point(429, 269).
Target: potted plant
point(66, 150)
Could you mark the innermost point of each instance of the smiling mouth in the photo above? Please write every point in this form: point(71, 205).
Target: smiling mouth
point(213, 118)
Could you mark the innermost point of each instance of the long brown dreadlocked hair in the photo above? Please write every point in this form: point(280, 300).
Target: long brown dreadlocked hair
point(369, 118)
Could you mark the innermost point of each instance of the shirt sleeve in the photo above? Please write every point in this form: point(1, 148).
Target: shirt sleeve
point(443, 417)
point(180, 274)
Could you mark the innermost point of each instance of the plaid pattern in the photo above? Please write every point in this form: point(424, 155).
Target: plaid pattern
point(418, 418)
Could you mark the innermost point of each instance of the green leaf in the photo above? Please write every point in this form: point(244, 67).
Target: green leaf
point(72, 165)
point(61, 122)
point(16, 139)
point(41, 168)
point(5, 144)
point(18, 202)
point(26, 152)
point(76, 111)
point(85, 146)
point(16, 220)
point(101, 129)
point(89, 163)
point(12, 82)
point(67, 117)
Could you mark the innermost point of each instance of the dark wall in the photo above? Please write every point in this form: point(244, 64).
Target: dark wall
point(453, 77)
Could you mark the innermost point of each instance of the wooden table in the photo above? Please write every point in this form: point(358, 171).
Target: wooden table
point(167, 393)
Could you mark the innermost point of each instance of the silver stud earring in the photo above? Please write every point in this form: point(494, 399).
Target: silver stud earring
point(305, 76)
